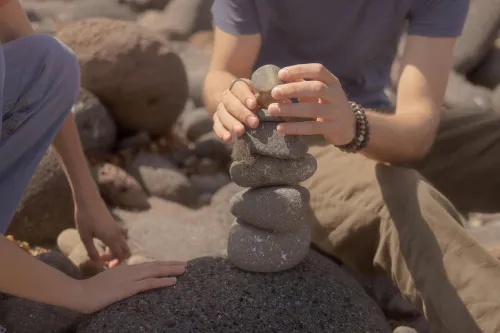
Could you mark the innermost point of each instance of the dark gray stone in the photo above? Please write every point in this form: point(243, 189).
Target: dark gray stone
point(266, 140)
point(261, 170)
point(258, 250)
point(479, 33)
point(60, 262)
point(278, 208)
point(213, 296)
point(195, 123)
point(462, 94)
point(488, 72)
point(209, 145)
point(496, 99)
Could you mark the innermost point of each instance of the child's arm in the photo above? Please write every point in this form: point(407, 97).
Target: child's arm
point(24, 276)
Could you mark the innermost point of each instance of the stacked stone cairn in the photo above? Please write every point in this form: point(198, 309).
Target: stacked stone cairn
point(272, 230)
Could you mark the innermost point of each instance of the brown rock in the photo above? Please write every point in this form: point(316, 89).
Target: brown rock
point(39, 218)
point(96, 127)
point(258, 250)
point(479, 33)
point(203, 39)
point(132, 70)
point(118, 188)
point(161, 178)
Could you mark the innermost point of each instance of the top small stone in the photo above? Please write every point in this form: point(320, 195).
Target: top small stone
point(265, 78)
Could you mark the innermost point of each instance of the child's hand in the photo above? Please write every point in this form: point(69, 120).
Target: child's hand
point(124, 281)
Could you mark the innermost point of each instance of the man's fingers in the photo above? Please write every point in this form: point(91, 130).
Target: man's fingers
point(236, 108)
point(304, 110)
point(153, 283)
point(219, 129)
point(229, 122)
point(307, 71)
point(303, 89)
point(244, 91)
point(154, 269)
point(303, 128)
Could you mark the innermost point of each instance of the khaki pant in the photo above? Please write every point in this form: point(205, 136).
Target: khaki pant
point(404, 222)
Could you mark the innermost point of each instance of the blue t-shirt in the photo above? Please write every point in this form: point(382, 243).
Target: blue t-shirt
point(355, 39)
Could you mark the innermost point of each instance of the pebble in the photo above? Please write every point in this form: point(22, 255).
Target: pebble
point(264, 79)
point(209, 145)
point(278, 208)
point(68, 240)
point(266, 171)
point(195, 123)
point(266, 140)
point(404, 329)
point(258, 250)
point(79, 257)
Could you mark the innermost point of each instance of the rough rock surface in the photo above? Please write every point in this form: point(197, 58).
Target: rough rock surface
point(118, 188)
point(266, 140)
point(258, 250)
point(39, 219)
point(161, 177)
point(132, 70)
point(279, 208)
point(213, 296)
point(479, 33)
point(261, 170)
point(96, 126)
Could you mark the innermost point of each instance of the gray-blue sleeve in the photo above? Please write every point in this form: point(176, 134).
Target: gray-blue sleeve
point(438, 18)
point(235, 16)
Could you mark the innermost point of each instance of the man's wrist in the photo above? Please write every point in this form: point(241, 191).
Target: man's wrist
point(362, 131)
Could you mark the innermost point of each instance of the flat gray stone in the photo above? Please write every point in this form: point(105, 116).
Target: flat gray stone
point(215, 297)
point(274, 208)
point(258, 250)
point(266, 140)
point(261, 170)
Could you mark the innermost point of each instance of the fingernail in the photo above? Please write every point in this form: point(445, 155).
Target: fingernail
point(253, 121)
point(283, 73)
point(276, 93)
point(249, 102)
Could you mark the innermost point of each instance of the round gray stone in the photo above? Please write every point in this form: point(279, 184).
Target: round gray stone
point(266, 140)
point(274, 208)
point(215, 297)
point(261, 170)
point(265, 78)
point(258, 250)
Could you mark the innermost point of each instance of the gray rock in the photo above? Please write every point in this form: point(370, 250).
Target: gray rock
point(209, 183)
point(488, 72)
point(142, 5)
point(195, 123)
point(96, 126)
point(212, 296)
point(274, 207)
point(160, 177)
point(266, 171)
point(266, 140)
point(138, 140)
point(496, 99)
point(219, 203)
point(258, 250)
point(479, 33)
point(264, 79)
point(60, 262)
point(209, 145)
point(462, 94)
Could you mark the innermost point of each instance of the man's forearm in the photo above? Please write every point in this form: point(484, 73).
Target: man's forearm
point(400, 138)
point(24, 276)
point(68, 146)
point(215, 84)
point(13, 21)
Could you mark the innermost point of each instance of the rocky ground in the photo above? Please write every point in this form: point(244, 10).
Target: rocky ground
point(166, 179)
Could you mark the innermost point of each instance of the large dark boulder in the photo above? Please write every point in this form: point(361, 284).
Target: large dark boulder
point(213, 296)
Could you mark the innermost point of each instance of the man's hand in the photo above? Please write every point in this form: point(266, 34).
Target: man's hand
point(321, 98)
point(93, 220)
point(124, 281)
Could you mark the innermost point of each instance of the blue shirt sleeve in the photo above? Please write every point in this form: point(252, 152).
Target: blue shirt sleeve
point(438, 18)
point(237, 17)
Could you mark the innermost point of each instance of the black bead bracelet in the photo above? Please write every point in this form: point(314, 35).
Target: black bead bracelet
point(362, 136)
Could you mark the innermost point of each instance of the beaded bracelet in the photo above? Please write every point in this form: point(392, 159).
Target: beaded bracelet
point(362, 136)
